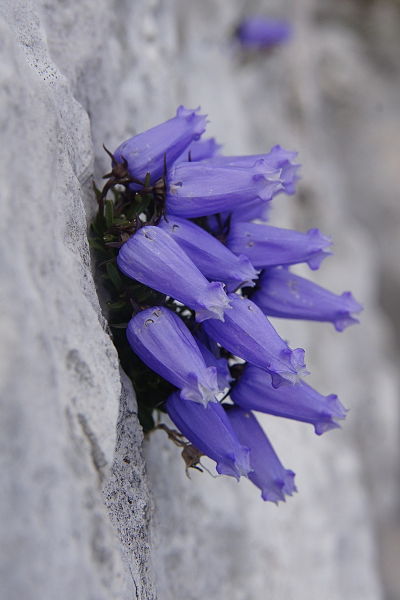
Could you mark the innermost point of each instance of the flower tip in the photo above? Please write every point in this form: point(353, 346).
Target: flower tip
point(342, 322)
point(352, 305)
point(297, 359)
point(236, 466)
point(335, 411)
point(314, 262)
point(190, 115)
point(280, 488)
point(277, 380)
point(214, 310)
point(184, 112)
point(325, 426)
point(201, 393)
point(274, 497)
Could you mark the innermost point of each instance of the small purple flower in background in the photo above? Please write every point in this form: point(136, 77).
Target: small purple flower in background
point(261, 32)
point(145, 153)
point(209, 255)
point(210, 431)
point(247, 333)
point(164, 343)
point(183, 228)
point(283, 294)
point(267, 472)
point(268, 246)
point(254, 391)
point(152, 257)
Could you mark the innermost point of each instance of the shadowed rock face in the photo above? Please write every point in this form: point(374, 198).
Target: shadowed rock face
point(80, 517)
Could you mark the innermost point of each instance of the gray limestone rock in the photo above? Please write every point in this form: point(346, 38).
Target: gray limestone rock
point(83, 514)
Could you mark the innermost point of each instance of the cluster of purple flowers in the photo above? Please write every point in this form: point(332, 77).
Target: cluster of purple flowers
point(225, 275)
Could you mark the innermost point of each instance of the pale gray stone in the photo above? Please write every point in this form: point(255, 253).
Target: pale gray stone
point(80, 516)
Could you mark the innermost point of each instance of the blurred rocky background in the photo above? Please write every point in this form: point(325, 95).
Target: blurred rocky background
point(90, 512)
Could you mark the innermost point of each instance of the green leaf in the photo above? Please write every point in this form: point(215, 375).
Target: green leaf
point(138, 207)
point(109, 212)
point(117, 305)
point(114, 275)
point(118, 221)
point(96, 245)
point(96, 190)
point(100, 224)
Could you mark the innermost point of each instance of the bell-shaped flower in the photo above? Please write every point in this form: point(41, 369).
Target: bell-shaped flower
point(289, 177)
point(164, 343)
point(209, 430)
point(213, 358)
point(145, 153)
point(254, 391)
point(196, 189)
point(283, 294)
point(152, 257)
point(212, 258)
point(276, 164)
point(247, 333)
point(278, 156)
point(267, 472)
point(256, 209)
point(268, 246)
point(258, 32)
point(200, 150)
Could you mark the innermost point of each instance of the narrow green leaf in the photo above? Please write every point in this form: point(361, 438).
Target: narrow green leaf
point(96, 245)
point(114, 275)
point(109, 212)
point(117, 305)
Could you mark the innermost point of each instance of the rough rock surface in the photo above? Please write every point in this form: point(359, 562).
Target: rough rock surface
point(80, 516)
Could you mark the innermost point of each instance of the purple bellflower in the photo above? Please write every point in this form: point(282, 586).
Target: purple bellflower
point(153, 257)
point(210, 431)
point(171, 175)
point(254, 391)
point(164, 343)
point(283, 294)
point(268, 246)
point(200, 150)
point(278, 156)
point(211, 257)
point(261, 32)
point(256, 209)
point(276, 164)
point(273, 160)
point(213, 359)
point(145, 152)
point(248, 334)
point(196, 189)
point(267, 472)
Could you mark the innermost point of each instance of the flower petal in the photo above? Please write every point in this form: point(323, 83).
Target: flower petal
point(209, 430)
point(283, 294)
point(254, 391)
point(152, 257)
point(164, 343)
point(267, 472)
